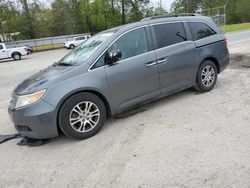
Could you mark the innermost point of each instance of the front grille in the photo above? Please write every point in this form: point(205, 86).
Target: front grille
point(13, 102)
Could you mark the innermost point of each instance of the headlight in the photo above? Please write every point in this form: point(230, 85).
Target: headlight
point(24, 100)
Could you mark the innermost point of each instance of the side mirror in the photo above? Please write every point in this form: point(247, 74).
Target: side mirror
point(114, 56)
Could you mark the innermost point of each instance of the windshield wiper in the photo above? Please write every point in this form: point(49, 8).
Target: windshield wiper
point(64, 64)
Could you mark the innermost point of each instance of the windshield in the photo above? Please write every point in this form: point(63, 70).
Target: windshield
point(85, 50)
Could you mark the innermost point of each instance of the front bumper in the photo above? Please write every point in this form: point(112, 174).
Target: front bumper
point(35, 121)
point(66, 45)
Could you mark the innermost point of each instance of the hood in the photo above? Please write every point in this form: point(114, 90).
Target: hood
point(43, 79)
point(69, 42)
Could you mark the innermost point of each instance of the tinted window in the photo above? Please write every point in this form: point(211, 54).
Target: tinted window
point(80, 38)
point(200, 30)
point(100, 62)
point(131, 44)
point(1, 47)
point(170, 33)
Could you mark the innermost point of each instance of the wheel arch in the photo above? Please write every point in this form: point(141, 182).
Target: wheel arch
point(12, 54)
point(100, 95)
point(213, 59)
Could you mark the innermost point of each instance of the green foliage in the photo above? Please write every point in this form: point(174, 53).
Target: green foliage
point(237, 11)
point(237, 27)
point(38, 18)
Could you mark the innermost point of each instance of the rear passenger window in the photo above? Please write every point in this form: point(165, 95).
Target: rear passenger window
point(169, 34)
point(200, 30)
point(1, 47)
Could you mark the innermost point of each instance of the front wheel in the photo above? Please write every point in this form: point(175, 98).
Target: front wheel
point(82, 116)
point(16, 56)
point(72, 46)
point(206, 76)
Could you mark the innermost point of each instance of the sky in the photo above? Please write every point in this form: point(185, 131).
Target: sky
point(165, 3)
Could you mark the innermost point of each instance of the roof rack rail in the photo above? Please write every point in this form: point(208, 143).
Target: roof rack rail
point(169, 16)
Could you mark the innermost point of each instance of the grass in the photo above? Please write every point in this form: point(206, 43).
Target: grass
point(46, 47)
point(237, 27)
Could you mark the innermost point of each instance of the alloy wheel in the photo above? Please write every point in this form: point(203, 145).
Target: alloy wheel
point(84, 116)
point(208, 76)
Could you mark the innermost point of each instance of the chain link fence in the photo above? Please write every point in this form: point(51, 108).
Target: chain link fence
point(44, 43)
point(218, 14)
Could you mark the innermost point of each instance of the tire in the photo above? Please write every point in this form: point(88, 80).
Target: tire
point(206, 76)
point(29, 51)
point(76, 124)
point(71, 46)
point(16, 56)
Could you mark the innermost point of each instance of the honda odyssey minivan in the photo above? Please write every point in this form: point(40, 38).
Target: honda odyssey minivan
point(118, 69)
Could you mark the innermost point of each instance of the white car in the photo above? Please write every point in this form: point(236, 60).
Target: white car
point(76, 42)
point(15, 53)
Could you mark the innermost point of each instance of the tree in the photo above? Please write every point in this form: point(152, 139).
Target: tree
point(29, 20)
point(61, 19)
point(184, 6)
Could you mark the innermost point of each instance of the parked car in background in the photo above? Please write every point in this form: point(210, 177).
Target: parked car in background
point(76, 42)
point(15, 53)
point(116, 70)
point(29, 49)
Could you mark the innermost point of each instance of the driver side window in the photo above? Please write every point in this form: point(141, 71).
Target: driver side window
point(131, 44)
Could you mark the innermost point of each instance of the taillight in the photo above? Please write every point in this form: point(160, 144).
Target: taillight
point(225, 42)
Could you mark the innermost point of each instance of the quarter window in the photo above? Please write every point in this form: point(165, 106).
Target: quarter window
point(131, 44)
point(169, 34)
point(200, 30)
point(100, 62)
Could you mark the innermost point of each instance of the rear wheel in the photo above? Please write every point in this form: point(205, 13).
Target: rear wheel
point(29, 51)
point(206, 76)
point(82, 116)
point(16, 56)
point(72, 46)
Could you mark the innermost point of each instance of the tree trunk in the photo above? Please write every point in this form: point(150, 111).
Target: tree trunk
point(123, 12)
point(30, 27)
point(1, 27)
point(112, 6)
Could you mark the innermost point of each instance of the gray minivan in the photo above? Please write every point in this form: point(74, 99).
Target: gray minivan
point(118, 69)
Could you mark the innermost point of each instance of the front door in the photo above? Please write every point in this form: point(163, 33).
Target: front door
point(134, 78)
point(3, 52)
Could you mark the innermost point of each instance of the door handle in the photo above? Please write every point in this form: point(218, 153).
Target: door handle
point(150, 64)
point(164, 60)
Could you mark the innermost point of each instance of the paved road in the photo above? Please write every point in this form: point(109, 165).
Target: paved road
point(239, 42)
point(184, 140)
point(238, 36)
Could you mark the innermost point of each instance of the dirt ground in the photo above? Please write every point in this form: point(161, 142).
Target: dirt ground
point(184, 140)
